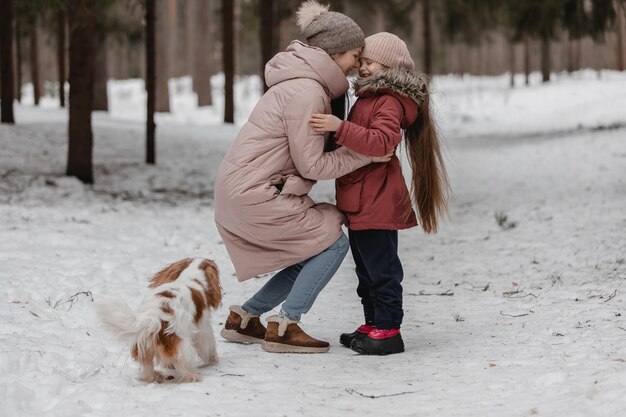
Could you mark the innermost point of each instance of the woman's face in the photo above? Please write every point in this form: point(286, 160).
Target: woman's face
point(348, 60)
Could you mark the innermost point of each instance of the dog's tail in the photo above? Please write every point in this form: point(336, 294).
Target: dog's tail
point(125, 324)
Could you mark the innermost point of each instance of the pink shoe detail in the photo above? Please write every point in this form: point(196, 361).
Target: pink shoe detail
point(365, 328)
point(382, 333)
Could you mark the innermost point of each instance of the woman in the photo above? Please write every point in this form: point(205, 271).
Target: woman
point(262, 208)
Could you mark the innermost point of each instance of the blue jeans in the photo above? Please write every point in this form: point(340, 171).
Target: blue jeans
point(300, 284)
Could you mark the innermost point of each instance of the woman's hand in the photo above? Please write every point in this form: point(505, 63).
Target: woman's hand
point(385, 158)
point(324, 122)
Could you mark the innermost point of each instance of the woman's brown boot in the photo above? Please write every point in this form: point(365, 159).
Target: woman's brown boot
point(243, 327)
point(285, 336)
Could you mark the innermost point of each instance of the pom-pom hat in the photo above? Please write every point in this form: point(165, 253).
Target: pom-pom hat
point(331, 31)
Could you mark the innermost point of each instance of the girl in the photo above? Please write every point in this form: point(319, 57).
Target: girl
point(375, 199)
point(262, 209)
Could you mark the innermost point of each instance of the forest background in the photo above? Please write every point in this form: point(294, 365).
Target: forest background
point(47, 43)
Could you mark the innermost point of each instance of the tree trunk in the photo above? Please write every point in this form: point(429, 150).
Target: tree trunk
point(378, 23)
point(512, 62)
point(81, 19)
point(100, 99)
point(162, 103)
point(6, 61)
point(570, 55)
point(15, 61)
point(150, 81)
point(428, 39)
point(228, 58)
point(620, 38)
point(61, 55)
point(203, 51)
point(267, 35)
point(18, 62)
point(34, 63)
point(545, 59)
point(526, 60)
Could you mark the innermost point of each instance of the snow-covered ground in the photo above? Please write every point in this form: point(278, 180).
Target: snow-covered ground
point(518, 319)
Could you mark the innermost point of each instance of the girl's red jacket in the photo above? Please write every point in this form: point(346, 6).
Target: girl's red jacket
point(376, 196)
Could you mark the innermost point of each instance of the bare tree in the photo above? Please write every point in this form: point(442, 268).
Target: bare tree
point(6, 61)
point(512, 61)
point(150, 81)
point(527, 59)
point(162, 103)
point(101, 75)
point(203, 43)
point(100, 98)
point(620, 37)
point(18, 62)
point(80, 150)
point(34, 61)
point(61, 25)
point(378, 17)
point(546, 62)
point(228, 58)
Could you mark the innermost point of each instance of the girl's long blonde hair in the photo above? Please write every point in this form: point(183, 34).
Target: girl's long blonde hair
point(429, 181)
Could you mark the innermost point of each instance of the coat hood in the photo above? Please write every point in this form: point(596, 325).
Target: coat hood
point(409, 87)
point(303, 61)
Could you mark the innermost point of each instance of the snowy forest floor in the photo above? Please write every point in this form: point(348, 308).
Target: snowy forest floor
point(515, 308)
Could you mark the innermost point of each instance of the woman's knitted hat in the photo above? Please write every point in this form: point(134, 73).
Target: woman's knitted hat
point(331, 31)
point(387, 49)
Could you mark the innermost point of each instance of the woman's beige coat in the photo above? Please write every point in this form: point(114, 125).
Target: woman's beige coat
point(262, 208)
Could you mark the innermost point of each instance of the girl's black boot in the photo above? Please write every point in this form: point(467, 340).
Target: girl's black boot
point(346, 339)
point(379, 342)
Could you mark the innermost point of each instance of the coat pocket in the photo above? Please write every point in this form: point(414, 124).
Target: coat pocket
point(349, 196)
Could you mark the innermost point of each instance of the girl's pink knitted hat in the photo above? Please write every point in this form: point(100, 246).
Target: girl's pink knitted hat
point(387, 49)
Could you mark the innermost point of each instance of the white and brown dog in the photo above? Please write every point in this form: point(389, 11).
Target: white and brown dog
point(173, 320)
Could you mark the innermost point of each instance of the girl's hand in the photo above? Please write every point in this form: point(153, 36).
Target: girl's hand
point(385, 158)
point(324, 122)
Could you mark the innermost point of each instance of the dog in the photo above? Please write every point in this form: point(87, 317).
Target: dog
point(173, 320)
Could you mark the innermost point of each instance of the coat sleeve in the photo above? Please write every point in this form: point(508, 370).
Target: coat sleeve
point(381, 137)
point(307, 147)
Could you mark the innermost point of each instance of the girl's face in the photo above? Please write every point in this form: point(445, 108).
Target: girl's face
point(369, 67)
point(348, 60)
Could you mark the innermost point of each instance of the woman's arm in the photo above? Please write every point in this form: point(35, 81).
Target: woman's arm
point(307, 147)
point(381, 138)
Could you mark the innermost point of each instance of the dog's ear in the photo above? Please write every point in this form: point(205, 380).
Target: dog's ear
point(212, 276)
point(170, 273)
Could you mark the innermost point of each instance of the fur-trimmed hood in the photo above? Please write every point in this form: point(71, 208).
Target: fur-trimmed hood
point(408, 86)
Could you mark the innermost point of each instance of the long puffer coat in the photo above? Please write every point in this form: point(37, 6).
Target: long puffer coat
point(262, 209)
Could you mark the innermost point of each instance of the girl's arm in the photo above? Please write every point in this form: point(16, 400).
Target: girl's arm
point(381, 138)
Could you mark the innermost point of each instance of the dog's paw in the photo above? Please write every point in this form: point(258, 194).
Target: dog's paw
point(210, 361)
point(149, 377)
point(214, 360)
point(188, 378)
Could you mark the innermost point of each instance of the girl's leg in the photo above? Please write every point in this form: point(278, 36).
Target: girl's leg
point(313, 277)
point(274, 291)
point(379, 252)
point(363, 288)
